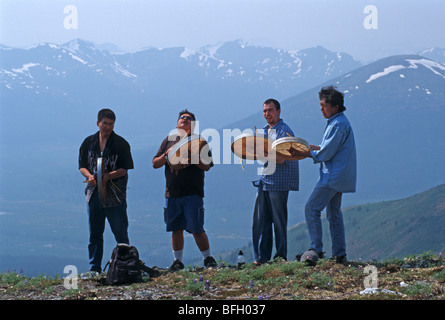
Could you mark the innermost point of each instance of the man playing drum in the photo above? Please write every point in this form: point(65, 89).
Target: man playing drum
point(338, 174)
point(116, 159)
point(273, 190)
point(184, 193)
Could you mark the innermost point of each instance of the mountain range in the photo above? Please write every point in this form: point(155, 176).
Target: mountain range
point(149, 87)
point(50, 95)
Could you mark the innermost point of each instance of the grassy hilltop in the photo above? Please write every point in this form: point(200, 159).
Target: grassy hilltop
point(420, 277)
point(403, 241)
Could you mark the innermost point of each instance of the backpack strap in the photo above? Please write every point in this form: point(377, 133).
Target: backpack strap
point(108, 263)
point(151, 272)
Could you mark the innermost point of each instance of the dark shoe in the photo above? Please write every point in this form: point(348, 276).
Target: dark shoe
point(341, 259)
point(177, 265)
point(96, 269)
point(209, 262)
point(152, 272)
point(277, 257)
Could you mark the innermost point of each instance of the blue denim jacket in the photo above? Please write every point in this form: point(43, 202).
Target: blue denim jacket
point(337, 156)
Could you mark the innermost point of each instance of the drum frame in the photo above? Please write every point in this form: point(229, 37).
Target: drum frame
point(100, 187)
point(290, 140)
point(267, 145)
point(176, 148)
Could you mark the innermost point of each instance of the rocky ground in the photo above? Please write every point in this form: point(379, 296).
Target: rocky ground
point(415, 278)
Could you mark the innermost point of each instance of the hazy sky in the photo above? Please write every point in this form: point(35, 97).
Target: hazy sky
point(393, 27)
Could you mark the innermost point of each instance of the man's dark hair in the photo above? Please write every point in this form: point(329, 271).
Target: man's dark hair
point(106, 113)
point(332, 96)
point(275, 103)
point(187, 112)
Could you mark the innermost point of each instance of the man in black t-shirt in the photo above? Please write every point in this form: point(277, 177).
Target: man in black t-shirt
point(184, 193)
point(116, 160)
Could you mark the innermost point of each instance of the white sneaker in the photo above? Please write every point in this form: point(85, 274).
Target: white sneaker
point(90, 275)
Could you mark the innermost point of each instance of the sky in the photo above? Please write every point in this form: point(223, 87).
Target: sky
point(368, 30)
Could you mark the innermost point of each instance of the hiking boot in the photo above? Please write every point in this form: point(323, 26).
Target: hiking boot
point(341, 259)
point(209, 262)
point(177, 265)
point(277, 258)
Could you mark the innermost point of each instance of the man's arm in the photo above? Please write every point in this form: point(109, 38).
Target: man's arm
point(160, 160)
point(308, 154)
point(87, 174)
point(114, 175)
point(332, 139)
point(106, 177)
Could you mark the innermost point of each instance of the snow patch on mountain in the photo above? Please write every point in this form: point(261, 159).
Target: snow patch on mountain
point(77, 58)
point(385, 72)
point(429, 64)
point(25, 68)
point(436, 54)
point(433, 66)
point(187, 53)
point(119, 69)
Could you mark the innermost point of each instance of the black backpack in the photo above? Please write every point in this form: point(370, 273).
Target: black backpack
point(125, 266)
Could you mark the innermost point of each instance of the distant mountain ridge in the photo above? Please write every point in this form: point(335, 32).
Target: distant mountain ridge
point(224, 60)
point(281, 67)
point(233, 76)
point(64, 80)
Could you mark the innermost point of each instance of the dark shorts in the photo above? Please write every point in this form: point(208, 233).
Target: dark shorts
point(184, 213)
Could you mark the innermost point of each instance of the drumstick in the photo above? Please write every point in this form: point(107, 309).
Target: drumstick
point(288, 134)
point(241, 162)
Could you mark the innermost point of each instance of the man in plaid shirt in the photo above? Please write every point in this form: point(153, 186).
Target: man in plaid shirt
point(273, 190)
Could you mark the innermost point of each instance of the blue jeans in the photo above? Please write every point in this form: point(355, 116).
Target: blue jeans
point(320, 198)
point(270, 208)
point(117, 217)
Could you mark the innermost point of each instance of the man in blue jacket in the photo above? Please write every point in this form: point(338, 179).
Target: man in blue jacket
point(338, 174)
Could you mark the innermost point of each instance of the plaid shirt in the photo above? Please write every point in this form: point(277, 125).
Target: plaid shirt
point(286, 175)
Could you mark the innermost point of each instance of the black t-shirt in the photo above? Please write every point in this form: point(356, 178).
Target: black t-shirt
point(116, 155)
point(181, 182)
